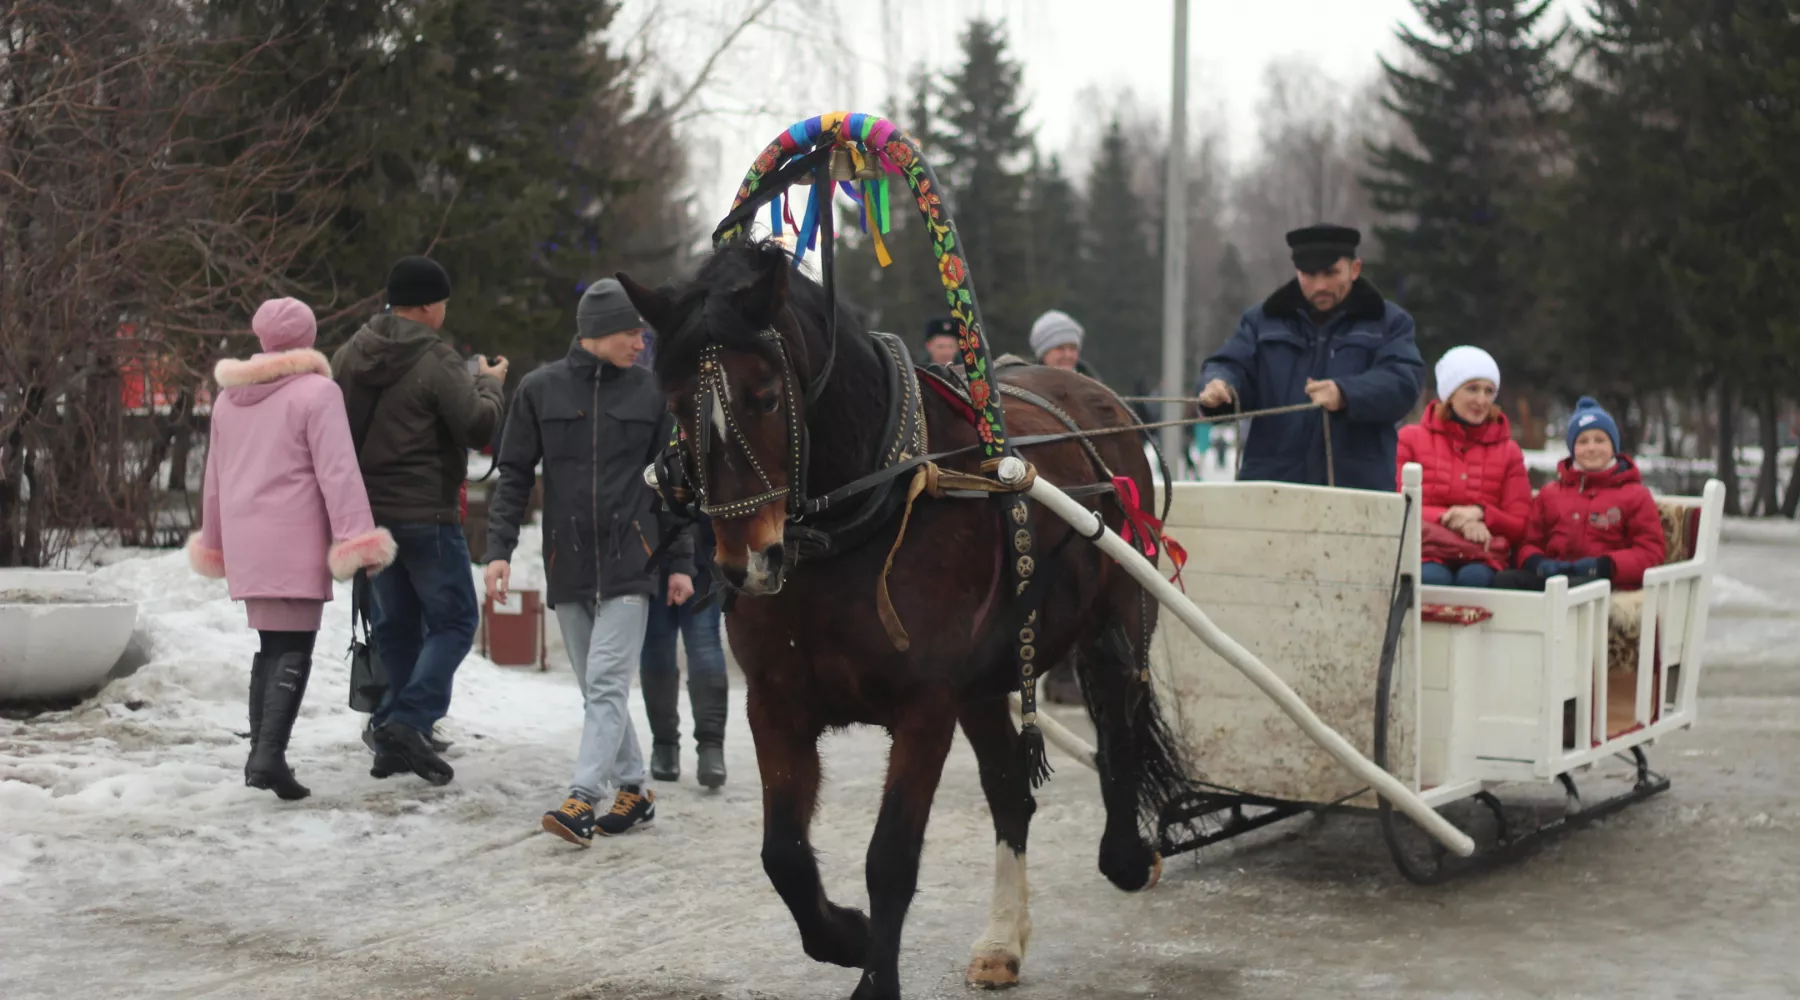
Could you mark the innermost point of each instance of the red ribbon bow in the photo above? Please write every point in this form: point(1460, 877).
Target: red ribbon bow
point(1144, 531)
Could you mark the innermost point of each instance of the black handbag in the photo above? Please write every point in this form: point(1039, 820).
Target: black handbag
point(368, 675)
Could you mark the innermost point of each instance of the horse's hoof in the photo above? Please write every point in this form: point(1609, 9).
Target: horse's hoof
point(1155, 873)
point(993, 972)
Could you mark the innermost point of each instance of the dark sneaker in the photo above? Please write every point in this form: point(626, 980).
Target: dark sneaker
point(411, 746)
point(631, 808)
point(710, 771)
point(573, 821)
point(665, 762)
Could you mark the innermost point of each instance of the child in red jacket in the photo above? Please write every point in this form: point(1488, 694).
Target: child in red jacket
point(1475, 491)
point(1597, 521)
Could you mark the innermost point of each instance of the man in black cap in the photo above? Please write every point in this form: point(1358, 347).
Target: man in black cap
point(1327, 337)
point(415, 411)
point(940, 342)
point(595, 420)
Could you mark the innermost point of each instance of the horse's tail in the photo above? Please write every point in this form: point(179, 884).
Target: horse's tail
point(1138, 745)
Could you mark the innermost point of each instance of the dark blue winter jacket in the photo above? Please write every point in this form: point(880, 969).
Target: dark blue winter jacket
point(1366, 346)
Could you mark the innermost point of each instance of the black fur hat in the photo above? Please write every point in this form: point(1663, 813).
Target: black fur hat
point(1318, 247)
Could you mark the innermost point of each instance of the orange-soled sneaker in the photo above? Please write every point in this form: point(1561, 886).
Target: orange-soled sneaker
point(573, 821)
point(632, 807)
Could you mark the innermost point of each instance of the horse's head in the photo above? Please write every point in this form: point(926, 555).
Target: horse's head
point(730, 360)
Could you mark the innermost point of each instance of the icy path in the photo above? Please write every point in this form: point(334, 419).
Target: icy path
point(133, 863)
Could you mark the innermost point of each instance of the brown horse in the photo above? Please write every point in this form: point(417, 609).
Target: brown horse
point(735, 344)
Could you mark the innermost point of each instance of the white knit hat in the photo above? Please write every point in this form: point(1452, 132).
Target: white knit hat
point(1054, 329)
point(1461, 365)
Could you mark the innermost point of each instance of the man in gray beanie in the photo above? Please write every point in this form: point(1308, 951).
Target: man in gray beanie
point(595, 419)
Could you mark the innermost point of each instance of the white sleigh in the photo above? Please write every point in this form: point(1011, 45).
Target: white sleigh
point(1481, 687)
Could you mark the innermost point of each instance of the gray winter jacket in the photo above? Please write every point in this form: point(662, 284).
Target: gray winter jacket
point(595, 427)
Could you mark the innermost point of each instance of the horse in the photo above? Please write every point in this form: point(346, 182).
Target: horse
point(735, 343)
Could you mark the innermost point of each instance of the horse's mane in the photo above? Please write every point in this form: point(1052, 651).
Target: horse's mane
point(704, 313)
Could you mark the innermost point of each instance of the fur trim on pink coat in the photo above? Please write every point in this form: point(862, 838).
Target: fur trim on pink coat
point(374, 550)
point(269, 367)
point(207, 562)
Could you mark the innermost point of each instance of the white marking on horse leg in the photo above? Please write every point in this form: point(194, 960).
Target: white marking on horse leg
point(1009, 921)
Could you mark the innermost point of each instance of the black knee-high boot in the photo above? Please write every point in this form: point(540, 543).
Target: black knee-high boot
point(260, 665)
point(710, 696)
point(285, 689)
point(661, 690)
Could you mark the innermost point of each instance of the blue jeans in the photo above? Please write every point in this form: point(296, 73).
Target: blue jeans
point(699, 631)
point(425, 619)
point(1467, 575)
point(660, 675)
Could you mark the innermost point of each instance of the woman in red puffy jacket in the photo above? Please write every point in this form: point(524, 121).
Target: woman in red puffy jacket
point(1597, 521)
point(1476, 494)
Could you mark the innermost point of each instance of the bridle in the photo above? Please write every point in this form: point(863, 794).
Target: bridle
point(903, 444)
point(714, 396)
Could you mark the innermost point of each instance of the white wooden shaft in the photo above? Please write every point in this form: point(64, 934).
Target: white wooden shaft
point(1141, 569)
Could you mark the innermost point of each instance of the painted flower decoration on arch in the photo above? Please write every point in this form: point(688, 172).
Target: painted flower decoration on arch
point(952, 267)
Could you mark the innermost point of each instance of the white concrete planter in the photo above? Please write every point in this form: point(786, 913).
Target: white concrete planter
point(60, 633)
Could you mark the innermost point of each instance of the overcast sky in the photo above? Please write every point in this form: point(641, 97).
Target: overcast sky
point(823, 55)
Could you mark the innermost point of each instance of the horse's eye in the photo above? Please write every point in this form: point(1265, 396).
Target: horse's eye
point(765, 402)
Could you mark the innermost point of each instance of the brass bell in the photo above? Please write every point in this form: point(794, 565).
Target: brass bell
point(842, 167)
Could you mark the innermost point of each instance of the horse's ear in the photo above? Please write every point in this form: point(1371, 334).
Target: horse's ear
point(762, 296)
point(651, 304)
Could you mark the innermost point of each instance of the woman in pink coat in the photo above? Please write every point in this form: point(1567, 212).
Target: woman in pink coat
point(284, 514)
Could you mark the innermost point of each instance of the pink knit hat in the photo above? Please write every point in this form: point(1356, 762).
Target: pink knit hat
point(284, 325)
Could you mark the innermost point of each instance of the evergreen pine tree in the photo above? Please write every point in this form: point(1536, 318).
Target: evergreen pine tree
point(1120, 287)
point(1462, 257)
point(982, 146)
point(459, 127)
point(1054, 238)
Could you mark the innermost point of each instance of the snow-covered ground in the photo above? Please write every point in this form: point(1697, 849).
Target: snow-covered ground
point(133, 862)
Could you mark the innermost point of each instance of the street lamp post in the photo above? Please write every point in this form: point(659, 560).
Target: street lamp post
point(1174, 382)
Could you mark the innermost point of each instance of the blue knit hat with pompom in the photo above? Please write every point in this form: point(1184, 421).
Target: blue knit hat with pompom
point(1589, 416)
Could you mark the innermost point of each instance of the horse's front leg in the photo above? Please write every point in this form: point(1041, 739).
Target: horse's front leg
point(788, 757)
point(915, 763)
point(1000, 950)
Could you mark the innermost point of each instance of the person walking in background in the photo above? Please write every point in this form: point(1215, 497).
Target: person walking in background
point(415, 411)
point(283, 513)
point(1597, 520)
point(1476, 494)
point(697, 626)
point(595, 420)
point(1326, 337)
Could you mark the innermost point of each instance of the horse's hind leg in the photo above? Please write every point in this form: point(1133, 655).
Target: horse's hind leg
point(1000, 950)
point(1118, 700)
point(789, 761)
point(915, 763)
